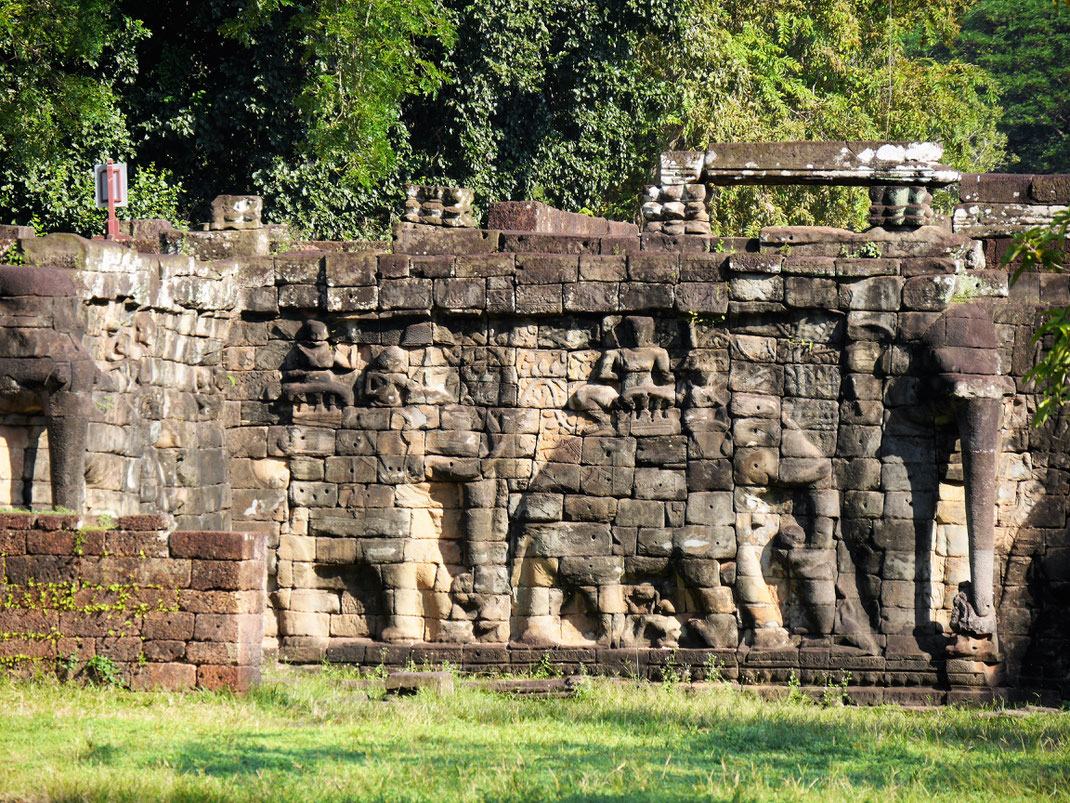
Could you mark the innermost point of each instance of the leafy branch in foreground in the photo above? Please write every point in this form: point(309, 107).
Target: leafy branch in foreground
point(1044, 248)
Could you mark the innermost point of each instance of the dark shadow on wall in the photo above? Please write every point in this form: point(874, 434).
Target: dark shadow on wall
point(1033, 581)
point(917, 444)
point(29, 462)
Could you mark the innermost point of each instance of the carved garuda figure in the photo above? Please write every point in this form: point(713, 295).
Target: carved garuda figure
point(387, 383)
point(636, 377)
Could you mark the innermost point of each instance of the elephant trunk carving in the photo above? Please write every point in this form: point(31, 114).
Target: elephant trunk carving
point(963, 349)
point(44, 367)
point(68, 435)
point(978, 423)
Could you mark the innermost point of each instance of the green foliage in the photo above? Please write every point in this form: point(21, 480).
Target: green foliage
point(835, 692)
point(101, 671)
point(795, 694)
point(713, 669)
point(65, 66)
point(571, 105)
point(791, 70)
point(66, 666)
point(13, 254)
point(1045, 248)
point(327, 107)
point(58, 196)
point(550, 101)
point(1025, 46)
point(361, 60)
point(544, 669)
point(674, 673)
point(311, 196)
point(300, 102)
point(52, 53)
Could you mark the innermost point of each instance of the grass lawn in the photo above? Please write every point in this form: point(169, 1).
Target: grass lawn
point(315, 740)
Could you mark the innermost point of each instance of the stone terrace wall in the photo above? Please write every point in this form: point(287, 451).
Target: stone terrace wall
point(995, 206)
point(487, 446)
point(176, 611)
point(436, 444)
point(155, 327)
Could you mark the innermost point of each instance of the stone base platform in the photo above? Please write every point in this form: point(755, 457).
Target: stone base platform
point(812, 670)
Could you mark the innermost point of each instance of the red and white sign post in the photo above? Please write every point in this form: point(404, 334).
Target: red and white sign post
point(110, 184)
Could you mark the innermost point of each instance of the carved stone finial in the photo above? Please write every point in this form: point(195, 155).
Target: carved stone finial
point(676, 209)
point(900, 207)
point(439, 206)
point(236, 212)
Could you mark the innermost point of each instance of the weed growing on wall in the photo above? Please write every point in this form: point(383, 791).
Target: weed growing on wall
point(100, 670)
point(120, 604)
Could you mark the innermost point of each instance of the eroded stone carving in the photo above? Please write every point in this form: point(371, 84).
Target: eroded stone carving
point(439, 206)
point(900, 207)
point(636, 378)
point(653, 622)
point(236, 212)
point(319, 376)
point(391, 382)
point(676, 209)
point(44, 367)
point(387, 381)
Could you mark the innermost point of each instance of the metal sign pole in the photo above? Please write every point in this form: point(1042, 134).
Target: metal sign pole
point(113, 190)
point(110, 190)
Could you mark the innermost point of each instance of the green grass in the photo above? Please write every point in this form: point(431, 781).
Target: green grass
point(316, 740)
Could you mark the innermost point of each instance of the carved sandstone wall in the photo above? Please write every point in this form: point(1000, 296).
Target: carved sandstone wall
point(515, 440)
point(786, 454)
point(154, 327)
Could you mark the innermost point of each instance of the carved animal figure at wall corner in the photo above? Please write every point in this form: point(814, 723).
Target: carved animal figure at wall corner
point(962, 351)
point(44, 366)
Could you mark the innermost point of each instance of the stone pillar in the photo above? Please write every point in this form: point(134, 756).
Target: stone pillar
point(900, 207)
point(676, 209)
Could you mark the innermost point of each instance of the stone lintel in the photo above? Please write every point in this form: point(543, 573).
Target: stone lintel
point(813, 163)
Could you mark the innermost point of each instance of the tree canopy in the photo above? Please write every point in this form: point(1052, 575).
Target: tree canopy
point(327, 107)
point(1025, 46)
